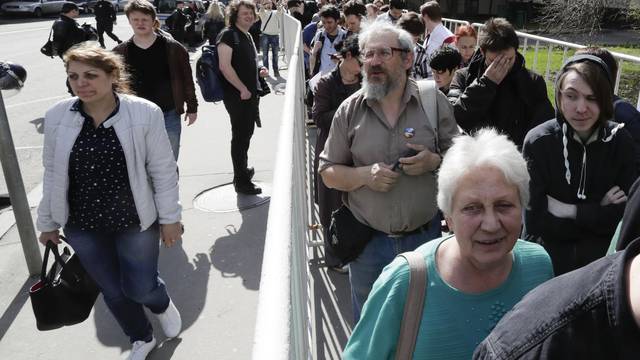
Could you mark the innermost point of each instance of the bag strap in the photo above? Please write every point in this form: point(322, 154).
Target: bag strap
point(414, 305)
point(265, 24)
point(428, 98)
point(50, 247)
point(50, 33)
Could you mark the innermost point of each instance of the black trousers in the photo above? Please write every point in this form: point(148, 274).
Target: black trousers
point(243, 115)
point(105, 27)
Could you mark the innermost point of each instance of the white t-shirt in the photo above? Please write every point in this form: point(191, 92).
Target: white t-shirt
point(440, 35)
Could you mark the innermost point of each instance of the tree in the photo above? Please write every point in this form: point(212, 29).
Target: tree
point(578, 16)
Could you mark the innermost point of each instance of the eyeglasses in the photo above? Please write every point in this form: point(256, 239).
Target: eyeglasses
point(384, 53)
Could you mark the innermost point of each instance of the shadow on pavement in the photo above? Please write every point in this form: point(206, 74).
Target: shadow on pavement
point(38, 124)
point(331, 308)
point(14, 308)
point(239, 254)
point(331, 292)
point(186, 280)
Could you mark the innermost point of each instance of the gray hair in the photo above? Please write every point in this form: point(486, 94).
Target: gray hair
point(377, 28)
point(485, 148)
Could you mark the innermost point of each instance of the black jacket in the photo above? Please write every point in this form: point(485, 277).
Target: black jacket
point(609, 161)
point(66, 33)
point(177, 21)
point(584, 314)
point(514, 107)
point(630, 228)
point(328, 95)
point(104, 11)
point(626, 113)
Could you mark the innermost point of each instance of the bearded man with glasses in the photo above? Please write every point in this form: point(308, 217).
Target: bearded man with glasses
point(381, 151)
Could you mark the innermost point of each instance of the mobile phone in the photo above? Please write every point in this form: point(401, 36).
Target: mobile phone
point(408, 153)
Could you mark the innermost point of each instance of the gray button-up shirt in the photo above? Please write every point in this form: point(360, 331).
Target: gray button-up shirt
point(360, 136)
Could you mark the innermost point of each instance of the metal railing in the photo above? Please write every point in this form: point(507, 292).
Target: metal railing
point(282, 326)
point(539, 43)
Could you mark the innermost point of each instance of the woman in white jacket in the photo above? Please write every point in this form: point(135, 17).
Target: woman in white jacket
point(111, 183)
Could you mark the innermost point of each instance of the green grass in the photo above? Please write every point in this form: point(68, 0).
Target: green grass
point(629, 81)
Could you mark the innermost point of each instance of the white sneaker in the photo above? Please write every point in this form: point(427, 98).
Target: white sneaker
point(170, 321)
point(141, 349)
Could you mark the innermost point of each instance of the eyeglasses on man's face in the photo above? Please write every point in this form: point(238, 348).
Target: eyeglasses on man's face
point(383, 53)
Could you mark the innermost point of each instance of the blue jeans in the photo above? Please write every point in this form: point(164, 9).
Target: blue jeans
point(174, 128)
point(124, 264)
point(378, 253)
point(265, 42)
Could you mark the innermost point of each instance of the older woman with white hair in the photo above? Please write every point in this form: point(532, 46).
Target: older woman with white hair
point(477, 273)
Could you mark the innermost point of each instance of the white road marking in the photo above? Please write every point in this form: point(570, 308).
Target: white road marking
point(25, 30)
point(37, 101)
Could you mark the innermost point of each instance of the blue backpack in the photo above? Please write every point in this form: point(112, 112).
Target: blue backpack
point(208, 75)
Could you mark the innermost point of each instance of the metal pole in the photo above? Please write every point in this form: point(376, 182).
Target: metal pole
point(18, 195)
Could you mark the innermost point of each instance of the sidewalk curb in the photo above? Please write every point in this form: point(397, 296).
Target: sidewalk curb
point(8, 219)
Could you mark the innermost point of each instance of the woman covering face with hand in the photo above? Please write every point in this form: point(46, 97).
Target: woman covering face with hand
point(111, 183)
point(581, 165)
point(475, 275)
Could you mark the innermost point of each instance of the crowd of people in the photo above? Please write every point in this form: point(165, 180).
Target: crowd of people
point(530, 191)
point(429, 141)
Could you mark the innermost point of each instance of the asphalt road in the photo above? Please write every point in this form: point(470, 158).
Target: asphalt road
point(20, 42)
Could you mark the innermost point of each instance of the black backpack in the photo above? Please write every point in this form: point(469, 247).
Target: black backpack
point(208, 75)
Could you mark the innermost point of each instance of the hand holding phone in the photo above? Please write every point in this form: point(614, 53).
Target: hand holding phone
point(408, 153)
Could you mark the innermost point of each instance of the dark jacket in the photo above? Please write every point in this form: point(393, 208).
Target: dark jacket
point(66, 33)
point(514, 107)
point(179, 70)
point(628, 115)
point(630, 228)
point(584, 314)
point(177, 21)
point(213, 27)
point(329, 94)
point(608, 162)
point(104, 11)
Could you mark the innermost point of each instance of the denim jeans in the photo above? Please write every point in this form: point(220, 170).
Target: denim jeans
point(378, 253)
point(124, 264)
point(174, 128)
point(265, 42)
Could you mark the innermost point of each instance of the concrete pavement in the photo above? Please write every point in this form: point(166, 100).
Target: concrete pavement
point(213, 275)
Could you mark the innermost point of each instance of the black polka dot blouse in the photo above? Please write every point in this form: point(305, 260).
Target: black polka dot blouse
point(100, 197)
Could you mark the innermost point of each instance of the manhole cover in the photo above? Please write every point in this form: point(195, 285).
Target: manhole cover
point(223, 198)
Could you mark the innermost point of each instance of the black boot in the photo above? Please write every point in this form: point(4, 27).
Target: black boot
point(247, 188)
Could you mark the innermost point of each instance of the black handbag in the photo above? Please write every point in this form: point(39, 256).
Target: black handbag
point(348, 236)
point(264, 88)
point(66, 294)
point(48, 49)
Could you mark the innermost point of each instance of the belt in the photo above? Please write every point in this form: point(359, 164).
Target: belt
point(418, 230)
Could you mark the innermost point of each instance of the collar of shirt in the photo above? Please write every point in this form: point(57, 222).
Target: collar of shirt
point(77, 107)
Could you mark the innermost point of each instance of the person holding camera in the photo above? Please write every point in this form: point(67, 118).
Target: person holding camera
point(242, 88)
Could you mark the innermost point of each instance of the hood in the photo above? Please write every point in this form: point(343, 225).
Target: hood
point(605, 133)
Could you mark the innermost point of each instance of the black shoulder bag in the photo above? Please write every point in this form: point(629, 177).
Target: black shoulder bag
point(48, 49)
point(348, 236)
